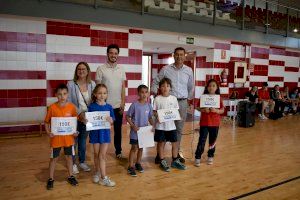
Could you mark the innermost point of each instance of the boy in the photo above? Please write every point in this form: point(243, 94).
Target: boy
point(166, 131)
point(61, 108)
point(138, 115)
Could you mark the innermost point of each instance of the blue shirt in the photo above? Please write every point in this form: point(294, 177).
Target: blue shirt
point(107, 107)
point(139, 114)
point(182, 81)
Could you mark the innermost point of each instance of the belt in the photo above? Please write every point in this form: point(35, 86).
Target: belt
point(181, 99)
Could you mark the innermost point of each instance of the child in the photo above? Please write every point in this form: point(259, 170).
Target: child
point(166, 131)
point(101, 138)
point(61, 108)
point(209, 124)
point(138, 115)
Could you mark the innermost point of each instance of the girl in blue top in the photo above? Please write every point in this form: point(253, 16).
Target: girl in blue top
point(100, 139)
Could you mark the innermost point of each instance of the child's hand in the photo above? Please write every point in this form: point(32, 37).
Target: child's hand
point(81, 117)
point(214, 110)
point(135, 128)
point(75, 134)
point(51, 135)
point(109, 119)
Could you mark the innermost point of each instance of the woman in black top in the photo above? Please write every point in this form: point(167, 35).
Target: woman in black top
point(252, 95)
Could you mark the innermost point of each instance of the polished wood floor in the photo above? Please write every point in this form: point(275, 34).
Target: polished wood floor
point(245, 160)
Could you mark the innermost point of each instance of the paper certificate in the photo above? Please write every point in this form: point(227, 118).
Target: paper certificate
point(210, 101)
point(145, 137)
point(97, 120)
point(63, 125)
point(165, 115)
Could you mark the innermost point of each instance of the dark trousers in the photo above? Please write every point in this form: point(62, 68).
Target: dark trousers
point(80, 142)
point(279, 106)
point(118, 131)
point(213, 134)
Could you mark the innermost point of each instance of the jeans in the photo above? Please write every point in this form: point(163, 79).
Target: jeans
point(80, 142)
point(213, 134)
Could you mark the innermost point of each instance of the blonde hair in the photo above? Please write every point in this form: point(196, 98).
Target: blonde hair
point(94, 98)
point(88, 77)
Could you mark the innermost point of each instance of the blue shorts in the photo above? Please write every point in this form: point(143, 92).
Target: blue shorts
point(100, 137)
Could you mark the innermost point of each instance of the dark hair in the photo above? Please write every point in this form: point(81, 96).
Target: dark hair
point(165, 80)
point(113, 46)
point(94, 99)
point(265, 84)
point(88, 77)
point(179, 49)
point(61, 86)
point(142, 87)
point(209, 82)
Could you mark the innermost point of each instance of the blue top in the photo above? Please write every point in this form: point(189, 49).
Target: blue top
point(139, 114)
point(107, 107)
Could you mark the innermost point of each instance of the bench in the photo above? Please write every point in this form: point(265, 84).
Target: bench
point(21, 129)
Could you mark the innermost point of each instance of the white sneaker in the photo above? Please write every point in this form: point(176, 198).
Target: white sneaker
point(260, 116)
point(264, 117)
point(210, 160)
point(84, 167)
point(107, 182)
point(96, 177)
point(197, 162)
point(119, 156)
point(75, 169)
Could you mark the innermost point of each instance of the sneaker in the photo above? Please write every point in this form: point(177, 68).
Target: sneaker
point(260, 116)
point(181, 157)
point(139, 167)
point(210, 160)
point(264, 117)
point(84, 167)
point(164, 165)
point(157, 159)
point(197, 162)
point(119, 156)
point(50, 183)
point(75, 169)
point(178, 165)
point(131, 171)
point(96, 177)
point(107, 182)
point(72, 180)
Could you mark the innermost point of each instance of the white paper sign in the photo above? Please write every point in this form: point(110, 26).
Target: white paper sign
point(166, 115)
point(97, 120)
point(63, 125)
point(145, 137)
point(210, 101)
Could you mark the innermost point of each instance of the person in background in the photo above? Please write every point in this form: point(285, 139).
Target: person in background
point(285, 94)
point(295, 98)
point(113, 76)
point(252, 95)
point(264, 99)
point(277, 98)
point(80, 91)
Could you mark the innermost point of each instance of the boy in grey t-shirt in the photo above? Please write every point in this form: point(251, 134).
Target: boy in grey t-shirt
point(138, 115)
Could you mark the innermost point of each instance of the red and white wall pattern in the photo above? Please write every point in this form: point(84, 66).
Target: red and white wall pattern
point(36, 55)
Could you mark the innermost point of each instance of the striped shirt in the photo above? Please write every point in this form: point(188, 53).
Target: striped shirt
point(182, 81)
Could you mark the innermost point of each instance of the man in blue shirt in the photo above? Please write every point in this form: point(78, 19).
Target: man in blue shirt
point(182, 87)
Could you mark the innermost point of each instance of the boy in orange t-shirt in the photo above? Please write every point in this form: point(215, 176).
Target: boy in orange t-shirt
point(61, 108)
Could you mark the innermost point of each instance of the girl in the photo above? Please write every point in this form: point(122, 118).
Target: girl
point(101, 138)
point(209, 124)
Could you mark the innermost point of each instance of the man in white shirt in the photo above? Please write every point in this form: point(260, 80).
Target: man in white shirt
point(113, 76)
point(182, 78)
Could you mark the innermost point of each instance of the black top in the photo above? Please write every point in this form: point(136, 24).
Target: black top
point(251, 96)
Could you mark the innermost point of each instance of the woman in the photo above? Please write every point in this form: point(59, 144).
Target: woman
point(295, 98)
point(286, 98)
point(80, 91)
point(252, 95)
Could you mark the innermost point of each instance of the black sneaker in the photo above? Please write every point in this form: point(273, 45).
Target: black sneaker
point(50, 183)
point(139, 167)
point(131, 171)
point(72, 180)
point(164, 166)
point(181, 159)
point(157, 159)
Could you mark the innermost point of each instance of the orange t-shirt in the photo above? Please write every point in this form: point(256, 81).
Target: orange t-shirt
point(263, 94)
point(54, 110)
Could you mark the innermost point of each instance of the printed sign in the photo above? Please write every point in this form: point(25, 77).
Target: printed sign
point(97, 120)
point(63, 125)
point(145, 137)
point(210, 101)
point(165, 115)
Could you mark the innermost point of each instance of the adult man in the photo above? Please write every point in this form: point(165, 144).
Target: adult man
point(113, 76)
point(182, 88)
point(264, 99)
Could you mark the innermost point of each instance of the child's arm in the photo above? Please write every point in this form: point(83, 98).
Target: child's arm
point(48, 130)
point(132, 125)
point(151, 121)
point(218, 111)
point(203, 109)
